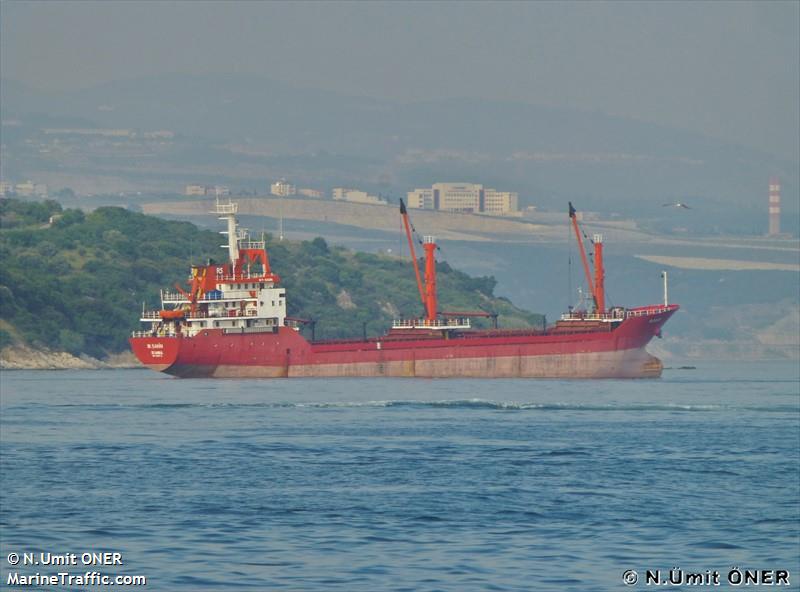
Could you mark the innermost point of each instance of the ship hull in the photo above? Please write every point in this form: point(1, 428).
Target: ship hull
point(621, 364)
point(612, 352)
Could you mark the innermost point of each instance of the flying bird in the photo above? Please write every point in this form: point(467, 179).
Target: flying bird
point(677, 204)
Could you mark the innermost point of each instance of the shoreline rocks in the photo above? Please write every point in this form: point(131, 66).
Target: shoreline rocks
point(22, 357)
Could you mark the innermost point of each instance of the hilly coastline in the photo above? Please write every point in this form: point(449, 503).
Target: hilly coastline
point(72, 284)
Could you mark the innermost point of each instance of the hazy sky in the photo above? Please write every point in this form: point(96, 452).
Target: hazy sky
point(730, 70)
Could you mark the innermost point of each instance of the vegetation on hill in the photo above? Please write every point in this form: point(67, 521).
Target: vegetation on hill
point(76, 282)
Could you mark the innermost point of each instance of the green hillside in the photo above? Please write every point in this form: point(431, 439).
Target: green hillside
point(76, 282)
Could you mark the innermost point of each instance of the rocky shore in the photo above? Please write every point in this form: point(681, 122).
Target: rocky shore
point(22, 357)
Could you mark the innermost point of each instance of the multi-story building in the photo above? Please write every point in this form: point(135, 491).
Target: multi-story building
point(207, 190)
point(501, 203)
point(464, 197)
point(422, 199)
point(108, 133)
point(282, 188)
point(25, 189)
point(310, 193)
point(459, 197)
point(6, 188)
point(356, 196)
point(159, 135)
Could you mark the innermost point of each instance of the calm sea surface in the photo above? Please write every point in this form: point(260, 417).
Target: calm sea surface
point(402, 484)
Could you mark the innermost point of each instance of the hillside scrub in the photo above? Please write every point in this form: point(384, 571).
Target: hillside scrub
point(79, 283)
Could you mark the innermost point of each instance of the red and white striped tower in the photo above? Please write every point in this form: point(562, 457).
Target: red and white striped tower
point(774, 207)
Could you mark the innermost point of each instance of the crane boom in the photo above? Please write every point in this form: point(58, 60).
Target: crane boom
point(586, 270)
point(404, 214)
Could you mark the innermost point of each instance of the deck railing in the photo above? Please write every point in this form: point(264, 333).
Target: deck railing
point(448, 323)
point(617, 314)
point(152, 334)
point(252, 244)
point(225, 208)
point(176, 297)
point(173, 297)
point(156, 315)
point(246, 277)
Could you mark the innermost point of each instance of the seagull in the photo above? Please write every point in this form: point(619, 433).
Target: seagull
point(677, 204)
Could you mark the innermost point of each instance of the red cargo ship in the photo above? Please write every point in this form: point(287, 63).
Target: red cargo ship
point(232, 322)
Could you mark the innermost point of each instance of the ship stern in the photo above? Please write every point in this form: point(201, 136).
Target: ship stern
point(156, 353)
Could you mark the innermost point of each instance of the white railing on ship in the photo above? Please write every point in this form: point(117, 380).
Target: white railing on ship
point(251, 244)
point(152, 334)
point(156, 315)
point(174, 297)
point(221, 317)
point(244, 276)
point(203, 315)
point(430, 324)
point(260, 329)
point(591, 316)
point(613, 315)
point(256, 278)
point(231, 295)
point(225, 208)
point(648, 311)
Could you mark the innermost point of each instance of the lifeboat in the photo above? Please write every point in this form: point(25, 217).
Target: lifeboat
point(171, 315)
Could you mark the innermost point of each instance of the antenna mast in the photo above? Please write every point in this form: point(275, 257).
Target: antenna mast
point(227, 212)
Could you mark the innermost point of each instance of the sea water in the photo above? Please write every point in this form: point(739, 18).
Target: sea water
point(395, 484)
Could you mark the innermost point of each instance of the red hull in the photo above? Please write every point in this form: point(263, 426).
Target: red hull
point(584, 352)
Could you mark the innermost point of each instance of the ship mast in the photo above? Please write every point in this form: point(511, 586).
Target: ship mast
point(429, 244)
point(599, 274)
point(433, 319)
point(227, 212)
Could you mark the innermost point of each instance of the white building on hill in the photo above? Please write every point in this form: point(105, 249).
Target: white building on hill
point(282, 188)
point(356, 196)
point(465, 197)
